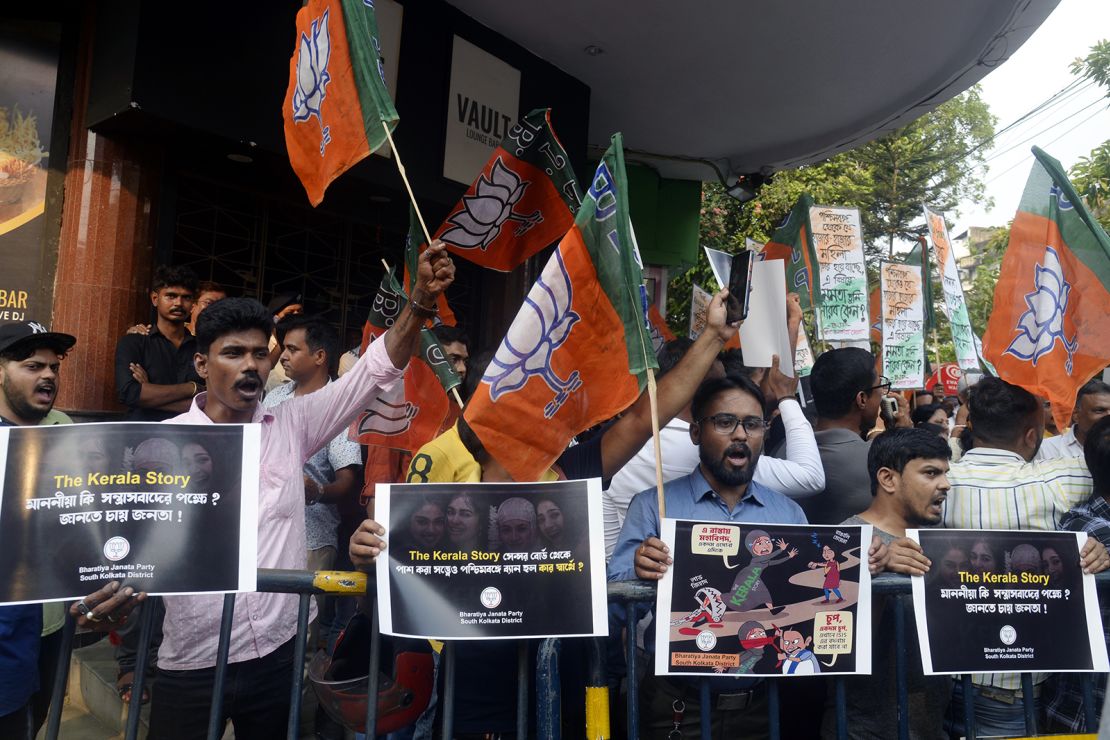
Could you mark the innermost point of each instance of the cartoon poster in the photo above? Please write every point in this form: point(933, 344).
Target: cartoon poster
point(165, 508)
point(903, 323)
point(475, 561)
point(1002, 601)
point(763, 600)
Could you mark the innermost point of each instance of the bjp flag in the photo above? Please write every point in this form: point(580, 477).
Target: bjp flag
point(524, 199)
point(660, 332)
point(337, 101)
point(793, 243)
point(578, 351)
point(1049, 331)
point(414, 247)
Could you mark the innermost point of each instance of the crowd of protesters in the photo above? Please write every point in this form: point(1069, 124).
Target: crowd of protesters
point(737, 446)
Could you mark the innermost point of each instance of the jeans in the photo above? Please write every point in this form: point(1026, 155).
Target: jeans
point(17, 724)
point(256, 699)
point(992, 716)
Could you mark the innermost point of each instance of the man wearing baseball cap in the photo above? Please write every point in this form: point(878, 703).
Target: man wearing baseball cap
point(30, 357)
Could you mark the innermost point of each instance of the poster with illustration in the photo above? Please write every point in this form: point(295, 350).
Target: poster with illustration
point(473, 561)
point(165, 508)
point(764, 600)
point(1006, 601)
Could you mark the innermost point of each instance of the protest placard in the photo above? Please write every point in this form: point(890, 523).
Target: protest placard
point(838, 241)
point(1002, 601)
point(964, 340)
point(763, 600)
point(472, 561)
point(903, 322)
point(763, 333)
point(164, 508)
point(721, 265)
point(699, 310)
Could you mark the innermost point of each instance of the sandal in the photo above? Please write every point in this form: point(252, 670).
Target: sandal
point(124, 683)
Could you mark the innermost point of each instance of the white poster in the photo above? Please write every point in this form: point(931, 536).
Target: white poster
point(903, 320)
point(763, 333)
point(721, 265)
point(483, 104)
point(955, 307)
point(839, 244)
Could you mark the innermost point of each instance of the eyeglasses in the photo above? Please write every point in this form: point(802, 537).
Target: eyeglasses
point(884, 385)
point(727, 423)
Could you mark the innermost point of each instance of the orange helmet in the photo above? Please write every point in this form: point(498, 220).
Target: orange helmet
point(340, 680)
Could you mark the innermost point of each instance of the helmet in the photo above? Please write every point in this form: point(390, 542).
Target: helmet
point(340, 680)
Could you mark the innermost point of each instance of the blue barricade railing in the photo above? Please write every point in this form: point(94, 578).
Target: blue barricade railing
point(548, 710)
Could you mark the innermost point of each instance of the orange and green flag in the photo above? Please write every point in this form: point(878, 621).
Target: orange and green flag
point(337, 101)
point(524, 199)
point(793, 243)
point(414, 247)
point(660, 332)
point(1049, 331)
point(578, 351)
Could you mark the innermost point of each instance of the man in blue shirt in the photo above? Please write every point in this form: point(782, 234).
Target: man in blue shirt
point(729, 428)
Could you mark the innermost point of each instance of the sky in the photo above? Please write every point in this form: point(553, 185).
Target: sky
point(1067, 130)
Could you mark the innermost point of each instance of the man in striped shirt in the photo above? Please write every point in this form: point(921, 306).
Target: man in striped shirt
point(996, 486)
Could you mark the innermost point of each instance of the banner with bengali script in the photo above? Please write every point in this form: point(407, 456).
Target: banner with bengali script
point(838, 242)
point(903, 323)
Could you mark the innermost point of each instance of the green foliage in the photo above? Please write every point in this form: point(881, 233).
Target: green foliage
point(1091, 174)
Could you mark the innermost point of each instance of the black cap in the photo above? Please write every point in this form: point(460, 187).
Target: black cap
point(34, 334)
point(279, 302)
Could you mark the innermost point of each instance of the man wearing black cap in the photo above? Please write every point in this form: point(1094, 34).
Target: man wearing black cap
point(282, 307)
point(155, 377)
point(30, 357)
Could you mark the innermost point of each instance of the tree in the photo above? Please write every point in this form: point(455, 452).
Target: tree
point(933, 159)
point(1091, 174)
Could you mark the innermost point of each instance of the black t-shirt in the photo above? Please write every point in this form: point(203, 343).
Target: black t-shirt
point(164, 365)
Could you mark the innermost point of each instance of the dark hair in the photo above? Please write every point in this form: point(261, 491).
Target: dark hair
point(231, 315)
point(1091, 387)
point(999, 412)
point(470, 441)
point(447, 334)
point(180, 276)
point(318, 335)
point(919, 394)
point(895, 448)
point(1096, 452)
point(933, 428)
point(838, 376)
point(921, 414)
point(20, 351)
point(711, 388)
point(733, 361)
point(208, 286)
point(475, 371)
point(671, 353)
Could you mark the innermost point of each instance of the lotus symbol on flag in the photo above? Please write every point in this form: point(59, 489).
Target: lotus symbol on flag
point(1043, 323)
point(389, 414)
point(312, 76)
point(483, 214)
point(543, 324)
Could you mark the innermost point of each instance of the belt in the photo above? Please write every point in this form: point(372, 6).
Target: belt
point(724, 701)
point(1006, 696)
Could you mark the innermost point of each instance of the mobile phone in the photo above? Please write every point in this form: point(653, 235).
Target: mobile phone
point(739, 287)
point(890, 406)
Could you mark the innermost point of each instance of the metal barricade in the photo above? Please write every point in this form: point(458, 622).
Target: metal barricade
point(548, 694)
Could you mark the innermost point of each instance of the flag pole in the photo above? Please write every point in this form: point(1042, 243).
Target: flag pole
point(653, 401)
point(454, 390)
point(408, 187)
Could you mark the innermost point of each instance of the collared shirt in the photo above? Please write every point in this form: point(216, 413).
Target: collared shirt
point(798, 476)
point(290, 434)
point(1062, 445)
point(321, 520)
point(1063, 701)
point(164, 365)
point(998, 489)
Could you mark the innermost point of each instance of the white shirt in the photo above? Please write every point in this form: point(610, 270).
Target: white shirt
point(798, 476)
point(1062, 445)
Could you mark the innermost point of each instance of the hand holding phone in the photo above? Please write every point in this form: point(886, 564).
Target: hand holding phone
point(739, 287)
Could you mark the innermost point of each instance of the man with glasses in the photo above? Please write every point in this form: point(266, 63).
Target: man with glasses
point(846, 392)
point(729, 428)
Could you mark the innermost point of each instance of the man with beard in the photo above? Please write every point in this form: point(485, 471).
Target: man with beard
point(233, 356)
point(729, 426)
point(846, 393)
point(155, 377)
point(30, 636)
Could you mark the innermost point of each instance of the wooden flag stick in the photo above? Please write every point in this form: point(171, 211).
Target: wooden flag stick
point(405, 179)
point(653, 401)
point(455, 390)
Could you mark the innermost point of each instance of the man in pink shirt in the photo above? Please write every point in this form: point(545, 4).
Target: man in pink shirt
point(233, 358)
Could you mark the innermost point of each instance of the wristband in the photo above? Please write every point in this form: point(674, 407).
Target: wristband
point(423, 312)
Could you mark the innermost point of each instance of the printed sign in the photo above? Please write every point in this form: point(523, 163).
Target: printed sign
point(483, 104)
point(1001, 601)
point(903, 321)
point(699, 310)
point(838, 242)
point(763, 600)
point(470, 561)
point(955, 307)
point(165, 508)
